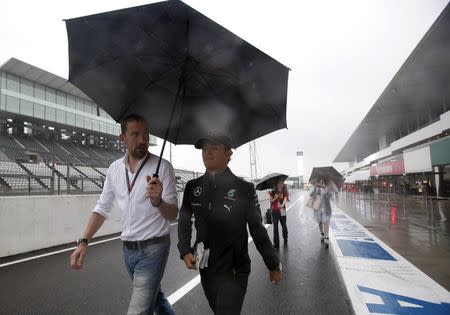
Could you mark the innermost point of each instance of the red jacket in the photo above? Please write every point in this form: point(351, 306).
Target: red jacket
point(275, 205)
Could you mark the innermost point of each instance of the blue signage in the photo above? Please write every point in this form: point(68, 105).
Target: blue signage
point(360, 249)
point(391, 304)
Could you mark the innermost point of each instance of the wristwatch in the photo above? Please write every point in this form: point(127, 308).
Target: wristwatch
point(82, 240)
point(279, 268)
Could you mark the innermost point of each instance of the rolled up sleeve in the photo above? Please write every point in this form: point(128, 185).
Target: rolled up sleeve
point(106, 201)
point(169, 193)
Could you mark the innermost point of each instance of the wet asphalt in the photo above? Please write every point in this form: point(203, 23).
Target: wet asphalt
point(311, 283)
point(417, 228)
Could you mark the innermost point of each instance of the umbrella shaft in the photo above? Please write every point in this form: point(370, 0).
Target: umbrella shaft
point(172, 113)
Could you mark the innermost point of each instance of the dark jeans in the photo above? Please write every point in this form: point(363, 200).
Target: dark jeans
point(225, 291)
point(277, 217)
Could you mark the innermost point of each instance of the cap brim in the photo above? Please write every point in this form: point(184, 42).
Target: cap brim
point(200, 142)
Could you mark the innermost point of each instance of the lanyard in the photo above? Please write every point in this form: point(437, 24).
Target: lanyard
point(130, 187)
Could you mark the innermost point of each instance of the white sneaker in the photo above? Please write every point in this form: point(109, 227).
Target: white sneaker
point(322, 238)
point(326, 242)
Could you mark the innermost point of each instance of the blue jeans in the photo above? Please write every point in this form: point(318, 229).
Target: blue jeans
point(146, 268)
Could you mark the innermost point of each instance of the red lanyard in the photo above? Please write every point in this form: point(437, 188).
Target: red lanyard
point(130, 187)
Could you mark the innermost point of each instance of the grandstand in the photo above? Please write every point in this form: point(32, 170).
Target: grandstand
point(53, 138)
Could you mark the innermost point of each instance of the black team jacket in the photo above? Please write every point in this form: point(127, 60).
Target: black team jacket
point(223, 206)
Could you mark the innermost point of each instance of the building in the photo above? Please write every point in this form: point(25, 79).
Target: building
point(45, 121)
point(403, 143)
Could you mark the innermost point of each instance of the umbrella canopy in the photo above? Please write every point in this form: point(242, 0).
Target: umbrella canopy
point(328, 173)
point(187, 75)
point(270, 181)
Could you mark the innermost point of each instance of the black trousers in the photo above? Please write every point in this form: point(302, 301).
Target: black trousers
point(225, 291)
point(277, 217)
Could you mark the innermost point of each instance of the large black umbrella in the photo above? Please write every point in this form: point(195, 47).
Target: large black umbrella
point(187, 75)
point(327, 173)
point(270, 181)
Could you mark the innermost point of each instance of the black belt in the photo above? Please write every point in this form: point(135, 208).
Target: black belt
point(144, 244)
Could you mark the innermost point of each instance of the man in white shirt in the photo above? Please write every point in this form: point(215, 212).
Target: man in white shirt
point(147, 204)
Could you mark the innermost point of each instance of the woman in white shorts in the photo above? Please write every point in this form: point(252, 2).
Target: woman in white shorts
point(323, 215)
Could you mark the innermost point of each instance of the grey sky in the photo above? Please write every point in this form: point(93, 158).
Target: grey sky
point(342, 55)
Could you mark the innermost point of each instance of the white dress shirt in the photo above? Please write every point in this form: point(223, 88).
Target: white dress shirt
point(140, 220)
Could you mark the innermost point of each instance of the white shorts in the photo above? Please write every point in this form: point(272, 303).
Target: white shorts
point(321, 216)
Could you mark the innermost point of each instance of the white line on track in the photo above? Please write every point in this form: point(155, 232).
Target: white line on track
point(61, 251)
point(56, 252)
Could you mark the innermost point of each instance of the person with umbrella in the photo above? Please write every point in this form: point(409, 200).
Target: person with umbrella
point(279, 196)
point(323, 214)
point(148, 204)
point(223, 205)
point(333, 179)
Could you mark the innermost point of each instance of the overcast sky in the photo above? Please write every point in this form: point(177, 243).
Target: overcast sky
point(342, 55)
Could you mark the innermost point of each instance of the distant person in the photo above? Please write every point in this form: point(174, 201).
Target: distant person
point(278, 198)
point(147, 204)
point(223, 205)
point(323, 215)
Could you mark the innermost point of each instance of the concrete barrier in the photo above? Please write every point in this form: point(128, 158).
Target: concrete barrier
point(36, 222)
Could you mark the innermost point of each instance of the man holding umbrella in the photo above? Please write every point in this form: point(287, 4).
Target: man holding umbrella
point(147, 204)
point(223, 205)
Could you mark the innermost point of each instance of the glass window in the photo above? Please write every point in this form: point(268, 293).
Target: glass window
point(26, 108)
point(103, 128)
point(3, 102)
point(436, 110)
point(71, 101)
point(79, 104)
point(39, 92)
point(96, 125)
point(60, 98)
point(110, 129)
point(50, 95)
point(12, 104)
point(87, 123)
point(412, 123)
point(89, 107)
point(79, 121)
point(12, 83)
point(26, 87)
point(422, 118)
point(39, 111)
point(70, 119)
point(61, 116)
point(3, 80)
point(50, 114)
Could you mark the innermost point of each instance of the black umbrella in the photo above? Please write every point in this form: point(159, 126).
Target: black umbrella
point(327, 173)
point(187, 75)
point(270, 181)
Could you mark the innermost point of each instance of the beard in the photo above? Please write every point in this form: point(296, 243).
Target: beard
point(139, 152)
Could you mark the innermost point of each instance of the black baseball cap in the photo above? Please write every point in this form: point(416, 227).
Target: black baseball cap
point(218, 139)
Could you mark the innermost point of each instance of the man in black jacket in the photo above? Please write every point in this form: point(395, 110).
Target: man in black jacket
point(223, 205)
